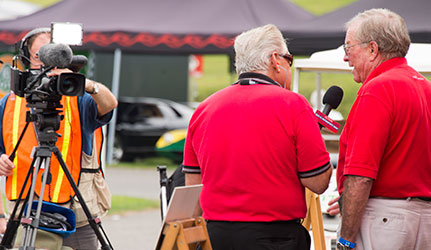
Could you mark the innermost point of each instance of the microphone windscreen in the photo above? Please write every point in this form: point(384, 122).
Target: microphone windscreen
point(56, 55)
point(333, 96)
point(77, 63)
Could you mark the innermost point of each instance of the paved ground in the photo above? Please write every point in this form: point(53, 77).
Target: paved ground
point(135, 230)
point(139, 230)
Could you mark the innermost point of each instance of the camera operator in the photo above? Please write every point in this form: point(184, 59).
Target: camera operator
point(83, 116)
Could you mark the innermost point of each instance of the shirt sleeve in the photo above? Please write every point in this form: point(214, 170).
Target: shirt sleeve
point(190, 162)
point(312, 157)
point(368, 134)
point(90, 120)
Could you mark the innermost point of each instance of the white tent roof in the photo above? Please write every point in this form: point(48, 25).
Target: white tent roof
point(10, 9)
point(418, 56)
point(331, 61)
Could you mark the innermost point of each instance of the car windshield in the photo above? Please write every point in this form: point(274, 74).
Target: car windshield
point(141, 112)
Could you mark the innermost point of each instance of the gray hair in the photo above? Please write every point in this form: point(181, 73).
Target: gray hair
point(386, 28)
point(254, 47)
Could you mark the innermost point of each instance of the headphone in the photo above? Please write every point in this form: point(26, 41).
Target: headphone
point(23, 50)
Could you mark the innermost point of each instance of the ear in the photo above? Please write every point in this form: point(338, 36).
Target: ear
point(274, 60)
point(373, 50)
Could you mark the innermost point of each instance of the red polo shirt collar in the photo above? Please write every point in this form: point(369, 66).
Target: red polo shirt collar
point(385, 66)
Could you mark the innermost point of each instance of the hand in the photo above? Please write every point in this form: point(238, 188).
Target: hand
point(3, 224)
point(56, 72)
point(333, 208)
point(6, 165)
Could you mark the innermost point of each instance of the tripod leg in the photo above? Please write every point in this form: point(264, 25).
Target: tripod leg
point(163, 190)
point(27, 230)
point(94, 222)
point(31, 229)
point(14, 222)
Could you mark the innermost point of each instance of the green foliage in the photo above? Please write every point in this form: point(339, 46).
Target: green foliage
point(149, 162)
point(125, 203)
point(320, 7)
point(216, 77)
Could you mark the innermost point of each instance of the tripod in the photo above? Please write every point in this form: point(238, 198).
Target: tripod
point(48, 122)
point(163, 190)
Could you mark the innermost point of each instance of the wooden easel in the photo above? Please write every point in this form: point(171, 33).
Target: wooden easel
point(185, 234)
point(314, 218)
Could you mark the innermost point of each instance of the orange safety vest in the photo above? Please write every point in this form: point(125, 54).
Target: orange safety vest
point(69, 144)
point(99, 139)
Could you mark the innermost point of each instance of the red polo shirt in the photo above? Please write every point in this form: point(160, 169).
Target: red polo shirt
point(387, 136)
point(252, 144)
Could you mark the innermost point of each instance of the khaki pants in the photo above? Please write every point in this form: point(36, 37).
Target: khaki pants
point(395, 224)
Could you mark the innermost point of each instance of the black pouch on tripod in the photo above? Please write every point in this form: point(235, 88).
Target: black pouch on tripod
point(55, 219)
point(52, 220)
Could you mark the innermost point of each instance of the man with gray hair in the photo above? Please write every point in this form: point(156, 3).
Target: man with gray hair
point(255, 146)
point(384, 168)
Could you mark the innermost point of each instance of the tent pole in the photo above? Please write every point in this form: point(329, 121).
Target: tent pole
point(318, 88)
point(115, 91)
point(295, 87)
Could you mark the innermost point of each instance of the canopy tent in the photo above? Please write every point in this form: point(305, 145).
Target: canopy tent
point(327, 31)
point(160, 26)
point(10, 9)
point(331, 61)
point(157, 26)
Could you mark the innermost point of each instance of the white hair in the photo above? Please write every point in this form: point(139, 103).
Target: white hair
point(386, 28)
point(254, 47)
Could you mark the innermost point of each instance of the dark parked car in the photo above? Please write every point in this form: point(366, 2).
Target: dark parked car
point(142, 120)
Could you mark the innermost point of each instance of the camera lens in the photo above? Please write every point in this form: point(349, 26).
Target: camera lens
point(71, 84)
point(68, 85)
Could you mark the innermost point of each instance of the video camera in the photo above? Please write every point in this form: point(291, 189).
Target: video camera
point(34, 84)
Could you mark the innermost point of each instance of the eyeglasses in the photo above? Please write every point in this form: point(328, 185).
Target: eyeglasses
point(346, 47)
point(289, 58)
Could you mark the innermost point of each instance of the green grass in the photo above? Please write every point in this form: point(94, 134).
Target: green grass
point(122, 204)
point(149, 162)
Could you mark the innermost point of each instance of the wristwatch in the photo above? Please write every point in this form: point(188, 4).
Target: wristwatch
point(343, 247)
point(95, 88)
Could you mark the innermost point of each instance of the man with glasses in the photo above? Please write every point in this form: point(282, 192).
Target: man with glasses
point(255, 146)
point(384, 168)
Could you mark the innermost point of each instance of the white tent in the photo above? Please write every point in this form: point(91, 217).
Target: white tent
point(10, 9)
point(331, 61)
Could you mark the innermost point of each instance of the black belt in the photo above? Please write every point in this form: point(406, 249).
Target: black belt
point(422, 198)
point(294, 221)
